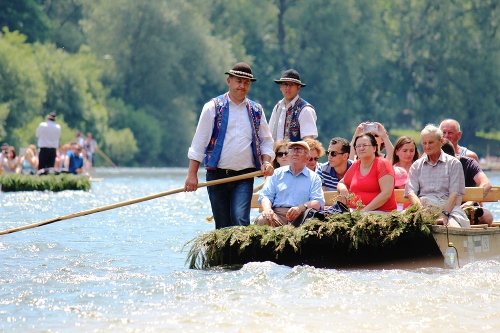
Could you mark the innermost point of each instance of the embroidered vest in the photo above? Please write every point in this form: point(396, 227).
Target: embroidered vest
point(214, 148)
point(292, 126)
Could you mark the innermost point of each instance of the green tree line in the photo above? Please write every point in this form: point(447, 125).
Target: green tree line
point(136, 73)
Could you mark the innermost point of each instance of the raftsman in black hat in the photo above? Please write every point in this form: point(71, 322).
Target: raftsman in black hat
point(242, 70)
point(51, 116)
point(290, 75)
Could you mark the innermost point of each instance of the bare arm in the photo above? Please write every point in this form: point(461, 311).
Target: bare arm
point(343, 191)
point(384, 135)
point(481, 180)
point(414, 200)
point(358, 131)
point(266, 166)
point(191, 183)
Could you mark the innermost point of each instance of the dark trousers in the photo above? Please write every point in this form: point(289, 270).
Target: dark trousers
point(230, 201)
point(47, 158)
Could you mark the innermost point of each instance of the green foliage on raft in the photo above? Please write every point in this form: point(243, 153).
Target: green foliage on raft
point(346, 231)
point(54, 183)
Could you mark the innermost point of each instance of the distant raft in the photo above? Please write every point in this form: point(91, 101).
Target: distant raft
point(345, 240)
point(55, 183)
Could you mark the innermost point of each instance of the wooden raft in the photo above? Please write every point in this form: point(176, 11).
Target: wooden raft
point(471, 194)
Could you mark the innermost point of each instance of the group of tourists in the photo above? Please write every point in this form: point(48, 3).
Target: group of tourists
point(76, 157)
point(233, 138)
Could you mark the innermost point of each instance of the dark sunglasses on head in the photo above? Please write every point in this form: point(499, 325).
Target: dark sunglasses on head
point(313, 159)
point(282, 153)
point(334, 153)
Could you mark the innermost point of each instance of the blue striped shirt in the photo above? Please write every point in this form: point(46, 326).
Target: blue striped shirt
point(329, 177)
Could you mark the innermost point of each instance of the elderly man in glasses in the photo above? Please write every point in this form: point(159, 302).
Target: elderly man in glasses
point(293, 118)
point(291, 190)
point(338, 163)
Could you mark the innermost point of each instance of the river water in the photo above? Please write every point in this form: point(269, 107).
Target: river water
point(124, 270)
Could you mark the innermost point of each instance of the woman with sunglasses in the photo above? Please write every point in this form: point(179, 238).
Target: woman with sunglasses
point(370, 179)
point(315, 153)
point(280, 159)
point(281, 152)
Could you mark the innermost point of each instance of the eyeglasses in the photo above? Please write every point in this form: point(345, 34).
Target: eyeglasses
point(300, 151)
point(335, 153)
point(363, 146)
point(313, 159)
point(287, 85)
point(282, 153)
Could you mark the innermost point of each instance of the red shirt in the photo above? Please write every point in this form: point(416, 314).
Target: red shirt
point(366, 188)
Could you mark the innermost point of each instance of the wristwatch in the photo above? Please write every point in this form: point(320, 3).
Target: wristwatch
point(446, 213)
point(305, 206)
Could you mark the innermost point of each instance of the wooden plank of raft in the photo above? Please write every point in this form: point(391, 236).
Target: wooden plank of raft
point(471, 194)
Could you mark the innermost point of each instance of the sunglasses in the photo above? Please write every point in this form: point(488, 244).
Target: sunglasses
point(282, 153)
point(313, 159)
point(334, 153)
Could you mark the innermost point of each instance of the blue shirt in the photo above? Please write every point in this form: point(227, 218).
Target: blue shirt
point(75, 162)
point(284, 189)
point(329, 177)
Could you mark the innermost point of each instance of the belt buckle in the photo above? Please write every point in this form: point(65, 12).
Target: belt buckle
point(227, 172)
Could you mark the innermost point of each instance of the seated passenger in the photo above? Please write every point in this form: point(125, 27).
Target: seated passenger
point(437, 180)
point(338, 163)
point(11, 162)
point(281, 151)
point(370, 178)
point(61, 157)
point(291, 190)
point(316, 150)
point(380, 134)
point(405, 152)
point(74, 161)
point(474, 176)
point(29, 162)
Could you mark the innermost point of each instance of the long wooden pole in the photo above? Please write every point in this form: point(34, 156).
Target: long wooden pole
point(130, 202)
point(105, 157)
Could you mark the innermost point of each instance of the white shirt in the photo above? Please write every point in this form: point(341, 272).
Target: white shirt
point(48, 134)
point(307, 119)
point(237, 148)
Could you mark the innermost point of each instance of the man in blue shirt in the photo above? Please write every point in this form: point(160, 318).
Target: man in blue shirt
point(74, 160)
point(291, 190)
point(338, 163)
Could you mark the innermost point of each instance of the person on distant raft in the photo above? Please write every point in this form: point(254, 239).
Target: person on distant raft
point(48, 134)
point(293, 118)
point(232, 138)
point(436, 180)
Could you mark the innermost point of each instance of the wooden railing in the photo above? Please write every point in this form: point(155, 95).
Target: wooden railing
point(471, 194)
